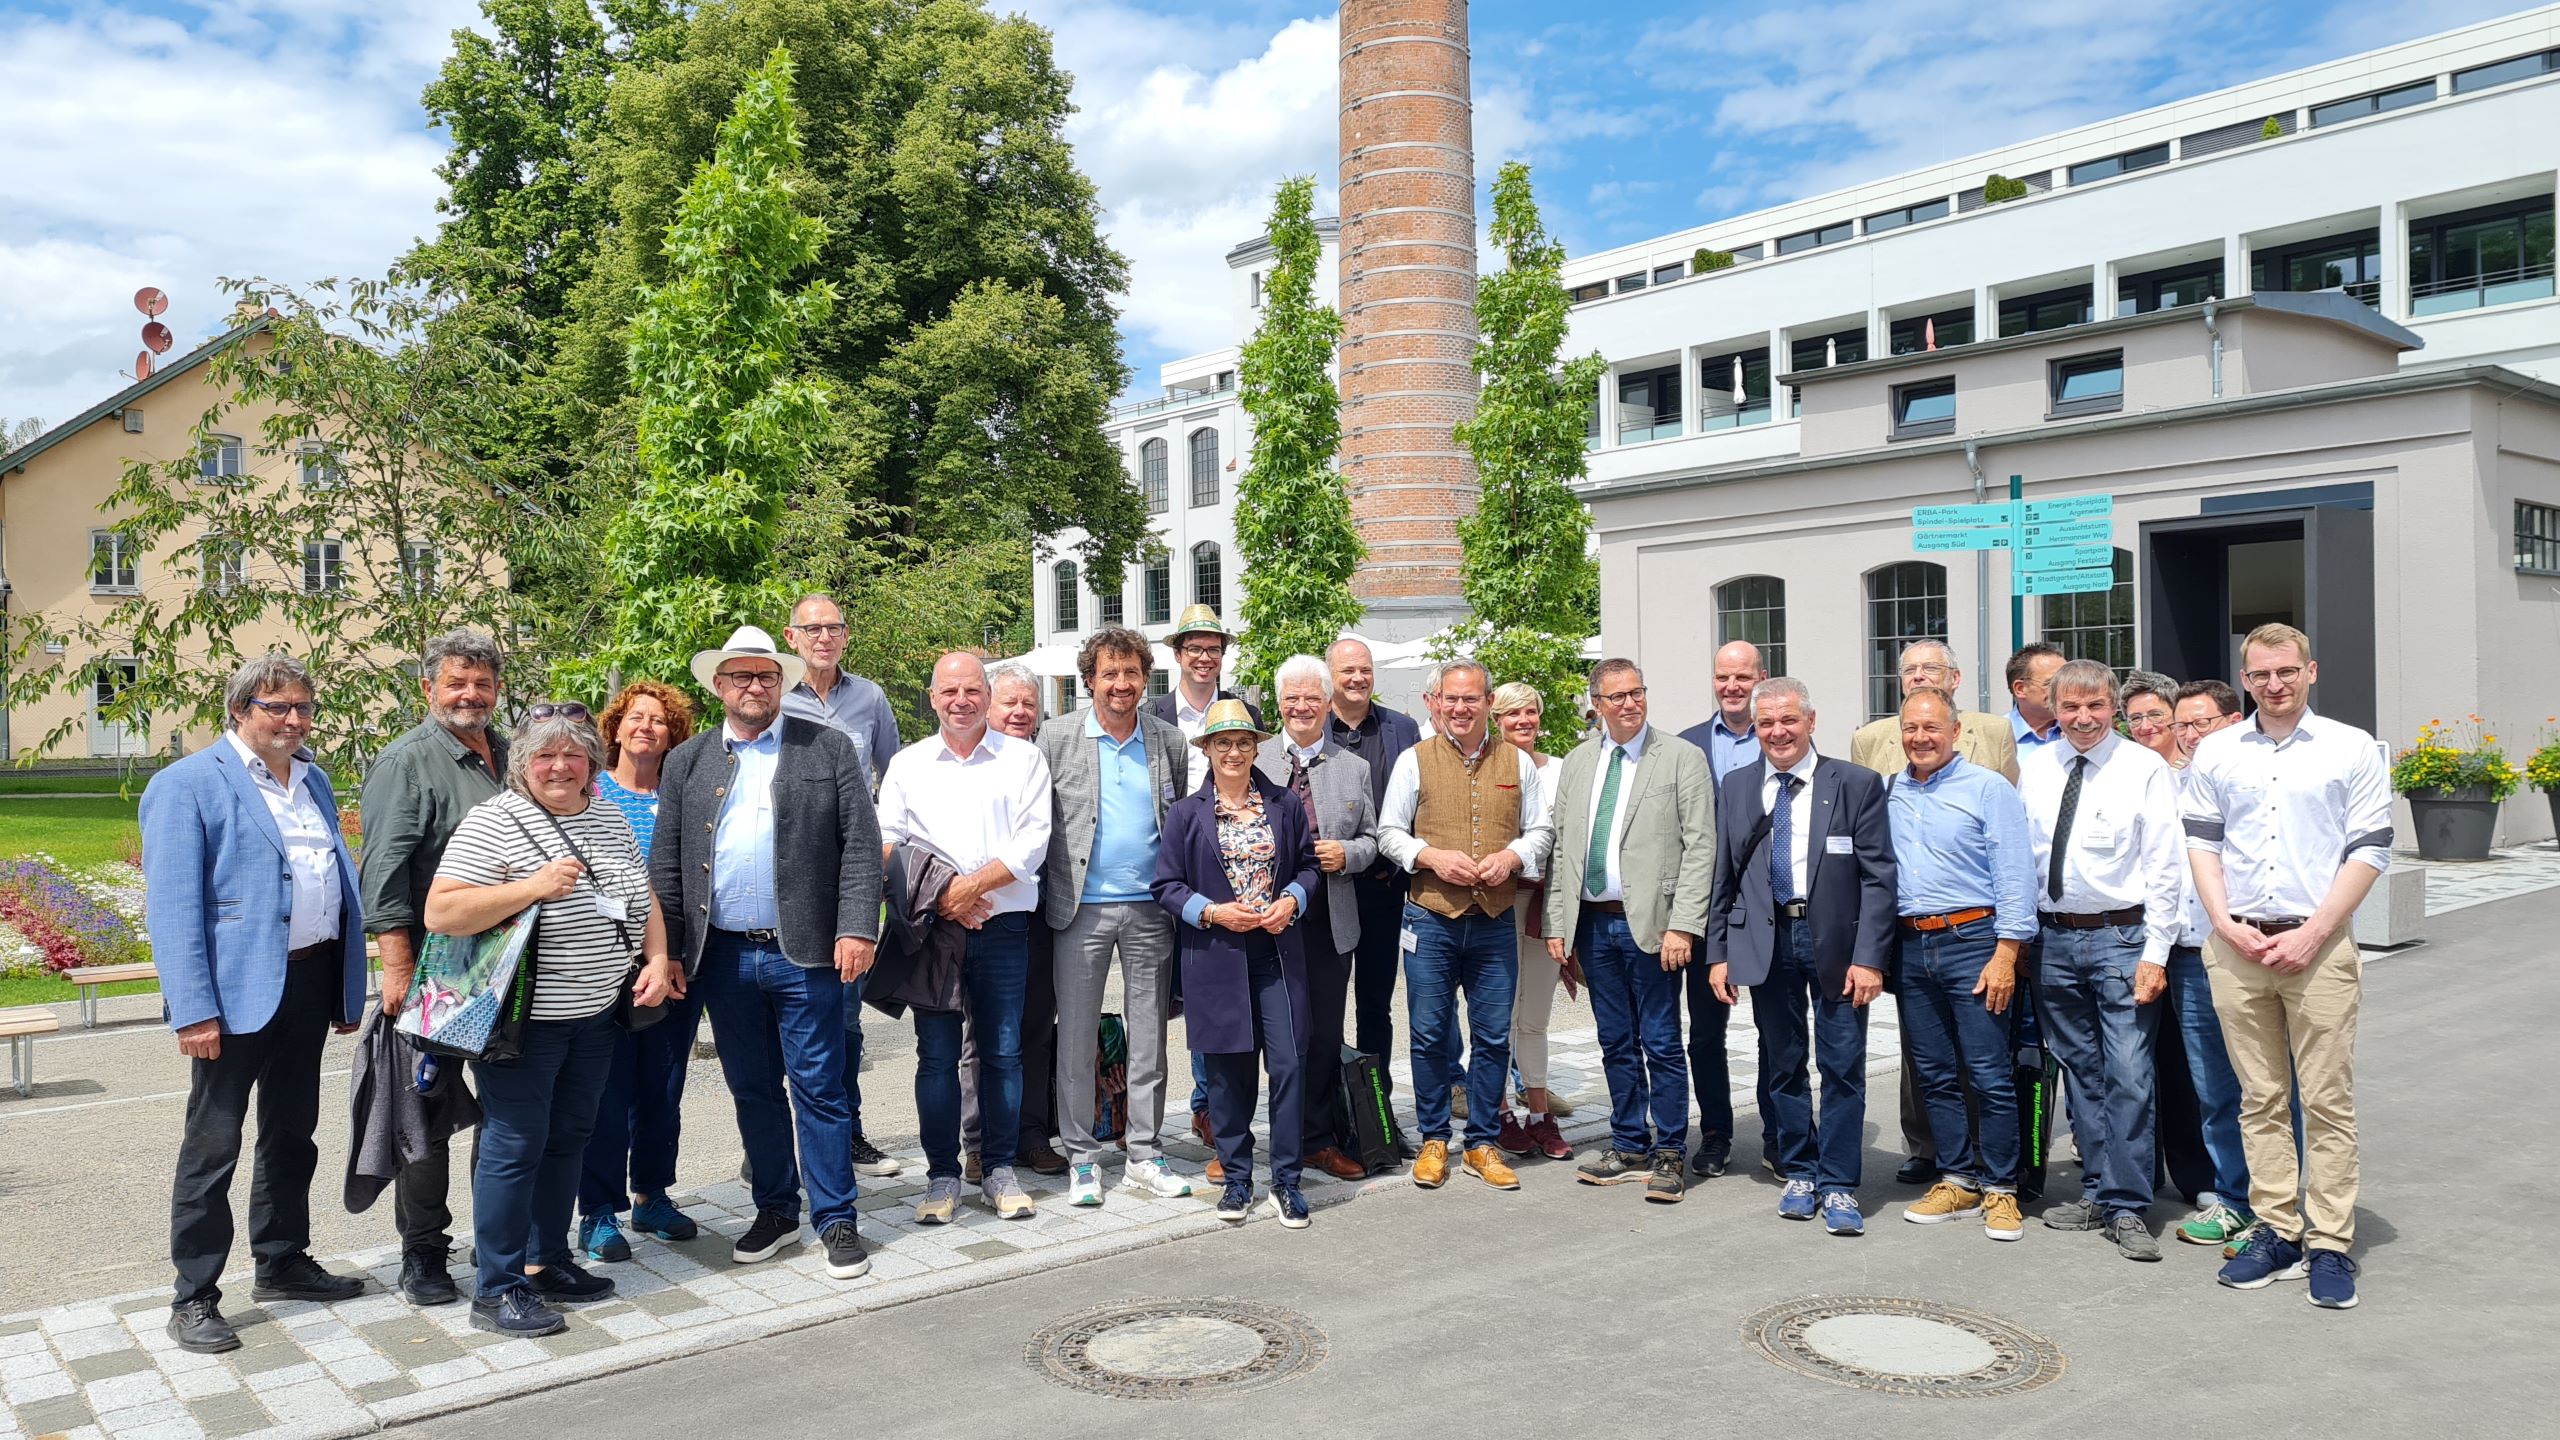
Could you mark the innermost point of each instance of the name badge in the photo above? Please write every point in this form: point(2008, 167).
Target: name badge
point(1167, 792)
point(612, 908)
point(1407, 941)
point(1838, 845)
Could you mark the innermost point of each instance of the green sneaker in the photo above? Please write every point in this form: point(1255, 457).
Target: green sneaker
point(2220, 1224)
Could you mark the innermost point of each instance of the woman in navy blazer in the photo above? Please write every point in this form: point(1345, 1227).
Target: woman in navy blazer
point(1244, 972)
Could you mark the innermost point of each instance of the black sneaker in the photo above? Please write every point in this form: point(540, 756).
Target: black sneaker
point(1611, 1167)
point(424, 1279)
point(563, 1283)
point(518, 1312)
point(870, 1159)
point(1916, 1171)
point(1664, 1186)
point(299, 1277)
point(1714, 1153)
point(1236, 1201)
point(198, 1326)
point(763, 1238)
point(845, 1257)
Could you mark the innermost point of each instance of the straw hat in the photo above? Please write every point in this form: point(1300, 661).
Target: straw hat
point(1229, 717)
point(747, 642)
point(1198, 620)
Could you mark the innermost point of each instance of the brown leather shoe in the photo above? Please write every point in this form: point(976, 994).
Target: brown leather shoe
point(1547, 1140)
point(1486, 1164)
point(1215, 1173)
point(971, 1170)
point(1336, 1164)
point(1431, 1167)
point(1038, 1158)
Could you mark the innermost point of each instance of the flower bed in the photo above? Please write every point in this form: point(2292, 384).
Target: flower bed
point(67, 925)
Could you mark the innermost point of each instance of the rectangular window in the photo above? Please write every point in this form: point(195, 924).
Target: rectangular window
point(1745, 252)
point(2505, 72)
point(1204, 468)
point(1114, 609)
point(320, 468)
point(1821, 235)
point(111, 564)
point(1733, 389)
point(223, 460)
point(1907, 215)
point(2087, 385)
point(1915, 334)
point(324, 567)
point(1592, 291)
point(226, 564)
point(418, 565)
point(1665, 274)
point(2168, 289)
point(2492, 256)
point(1648, 405)
point(2351, 262)
point(2051, 310)
point(2537, 538)
point(2374, 104)
point(1924, 409)
point(2114, 165)
point(1816, 352)
point(1630, 282)
point(1256, 301)
point(1158, 584)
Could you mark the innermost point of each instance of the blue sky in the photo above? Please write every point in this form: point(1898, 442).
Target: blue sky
point(170, 142)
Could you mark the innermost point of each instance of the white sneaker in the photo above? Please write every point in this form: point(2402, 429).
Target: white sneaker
point(1155, 1177)
point(1086, 1187)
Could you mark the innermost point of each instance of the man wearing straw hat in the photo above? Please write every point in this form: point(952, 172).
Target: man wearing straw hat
point(1200, 642)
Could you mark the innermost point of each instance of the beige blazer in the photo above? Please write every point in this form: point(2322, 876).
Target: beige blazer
point(1983, 739)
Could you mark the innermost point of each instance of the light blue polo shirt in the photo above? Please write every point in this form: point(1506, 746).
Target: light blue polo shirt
point(1125, 834)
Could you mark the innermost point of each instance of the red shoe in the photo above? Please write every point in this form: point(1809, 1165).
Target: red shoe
point(1548, 1141)
point(1511, 1138)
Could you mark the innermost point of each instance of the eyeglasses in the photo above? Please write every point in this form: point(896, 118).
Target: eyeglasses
point(819, 632)
point(1621, 697)
point(287, 709)
point(1203, 652)
point(569, 710)
point(2258, 679)
point(751, 679)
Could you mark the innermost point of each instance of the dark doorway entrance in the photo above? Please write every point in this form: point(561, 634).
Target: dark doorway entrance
point(2209, 581)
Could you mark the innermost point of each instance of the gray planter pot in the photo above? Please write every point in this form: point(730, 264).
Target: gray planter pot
point(2454, 824)
point(2554, 797)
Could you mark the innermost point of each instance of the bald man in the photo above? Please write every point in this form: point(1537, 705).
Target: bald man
point(1731, 743)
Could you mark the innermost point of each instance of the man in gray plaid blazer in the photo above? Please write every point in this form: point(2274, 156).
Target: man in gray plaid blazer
point(1113, 771)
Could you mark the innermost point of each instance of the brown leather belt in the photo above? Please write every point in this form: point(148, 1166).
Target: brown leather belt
point(1605, 907)
point(2271, 927)
point(2130, 915)
point(1931, 924)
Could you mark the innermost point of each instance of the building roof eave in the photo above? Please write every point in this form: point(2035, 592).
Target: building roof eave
point(16, 460)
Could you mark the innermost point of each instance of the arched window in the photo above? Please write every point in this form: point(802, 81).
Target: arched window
point(1153, 471)
point(1159, 588)
point(1905, 602)
point(1067, 594)
point(1204, 467)
point(2096, 624)
point(1754, 608)
point(1205, 587)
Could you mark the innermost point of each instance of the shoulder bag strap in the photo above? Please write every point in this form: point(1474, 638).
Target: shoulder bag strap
point(622, 928)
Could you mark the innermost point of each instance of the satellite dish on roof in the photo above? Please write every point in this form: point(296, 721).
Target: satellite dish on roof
point(151, 301)
point(142, 365)
point(157, 336)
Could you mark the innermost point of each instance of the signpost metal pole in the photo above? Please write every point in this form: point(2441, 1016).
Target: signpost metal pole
point(1981, 607)
point(2017, 544)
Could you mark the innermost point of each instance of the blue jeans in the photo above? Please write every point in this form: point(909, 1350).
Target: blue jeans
point(535, 1113)
point(1636, 1005)
point(640, 1119)
point(1479, 954)
point(1835, 1042)
point(1949, 1037)
point(774, 1021)
point(2209, 1072)
point(994, 974)
point(2084, 996)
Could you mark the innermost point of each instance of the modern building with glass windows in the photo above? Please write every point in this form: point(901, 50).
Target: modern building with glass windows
point(2303, 332)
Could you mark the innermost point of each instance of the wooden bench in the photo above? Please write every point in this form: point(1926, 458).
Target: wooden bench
point(20, 1028)
point(90, 977)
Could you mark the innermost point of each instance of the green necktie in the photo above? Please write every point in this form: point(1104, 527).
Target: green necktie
point(1595, 866)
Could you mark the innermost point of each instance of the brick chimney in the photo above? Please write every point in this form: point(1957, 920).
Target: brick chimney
point(1408, 267)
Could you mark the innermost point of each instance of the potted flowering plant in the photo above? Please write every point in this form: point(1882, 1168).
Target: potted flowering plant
point(2454, 777)
point(2542, 769)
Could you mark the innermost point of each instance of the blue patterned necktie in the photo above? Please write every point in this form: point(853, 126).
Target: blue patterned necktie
point(1782, 842)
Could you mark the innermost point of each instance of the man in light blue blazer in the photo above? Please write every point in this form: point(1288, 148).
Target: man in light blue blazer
point(259, 938)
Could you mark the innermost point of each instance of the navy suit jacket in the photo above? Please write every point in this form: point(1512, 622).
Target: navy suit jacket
point(1164, 706)
point(1850, 898)
point(1217, 986)
point(217, 895)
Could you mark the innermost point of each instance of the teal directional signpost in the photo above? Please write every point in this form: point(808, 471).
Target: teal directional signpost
point(2062, 546)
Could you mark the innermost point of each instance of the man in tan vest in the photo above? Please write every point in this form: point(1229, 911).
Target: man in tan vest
point(1462, 815)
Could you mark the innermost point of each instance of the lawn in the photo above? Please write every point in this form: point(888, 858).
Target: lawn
point(104, 782)
point(79, 833)
point(47, 990)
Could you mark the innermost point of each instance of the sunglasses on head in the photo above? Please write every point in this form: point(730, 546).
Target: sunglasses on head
point(569, 710)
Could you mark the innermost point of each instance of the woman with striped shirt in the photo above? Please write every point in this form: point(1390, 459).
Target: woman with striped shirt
point(546, 839)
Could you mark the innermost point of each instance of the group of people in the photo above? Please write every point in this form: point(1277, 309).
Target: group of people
point(1269, 884)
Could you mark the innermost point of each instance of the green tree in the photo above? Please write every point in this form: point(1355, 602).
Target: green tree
point(361, 523)
point(723, 424)
point(1527, 574)
point(1293, 516)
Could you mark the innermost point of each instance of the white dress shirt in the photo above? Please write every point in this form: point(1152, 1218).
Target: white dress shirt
point(2122, 852)
point(994, 805)
point(310, 847)
point(1799, 816)
point(1617, 889)
point(2194, 926)
point(2284, 816)
point(1398, 843)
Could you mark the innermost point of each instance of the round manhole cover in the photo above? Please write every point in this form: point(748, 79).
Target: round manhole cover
point(1165, 1349)
point(1904, 1347)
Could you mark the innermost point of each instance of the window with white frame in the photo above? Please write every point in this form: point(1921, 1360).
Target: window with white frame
point(324, 566)
point(226, 563)
point(1065, 591)
point(1158, 584)
point(418, 565)
point(221, 460)
point(320, 466)
point(111, 563)
point(1204, 467)
point(1153, 476)
point(1207, 583)
point(1754, 608)
point(1905, 602)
